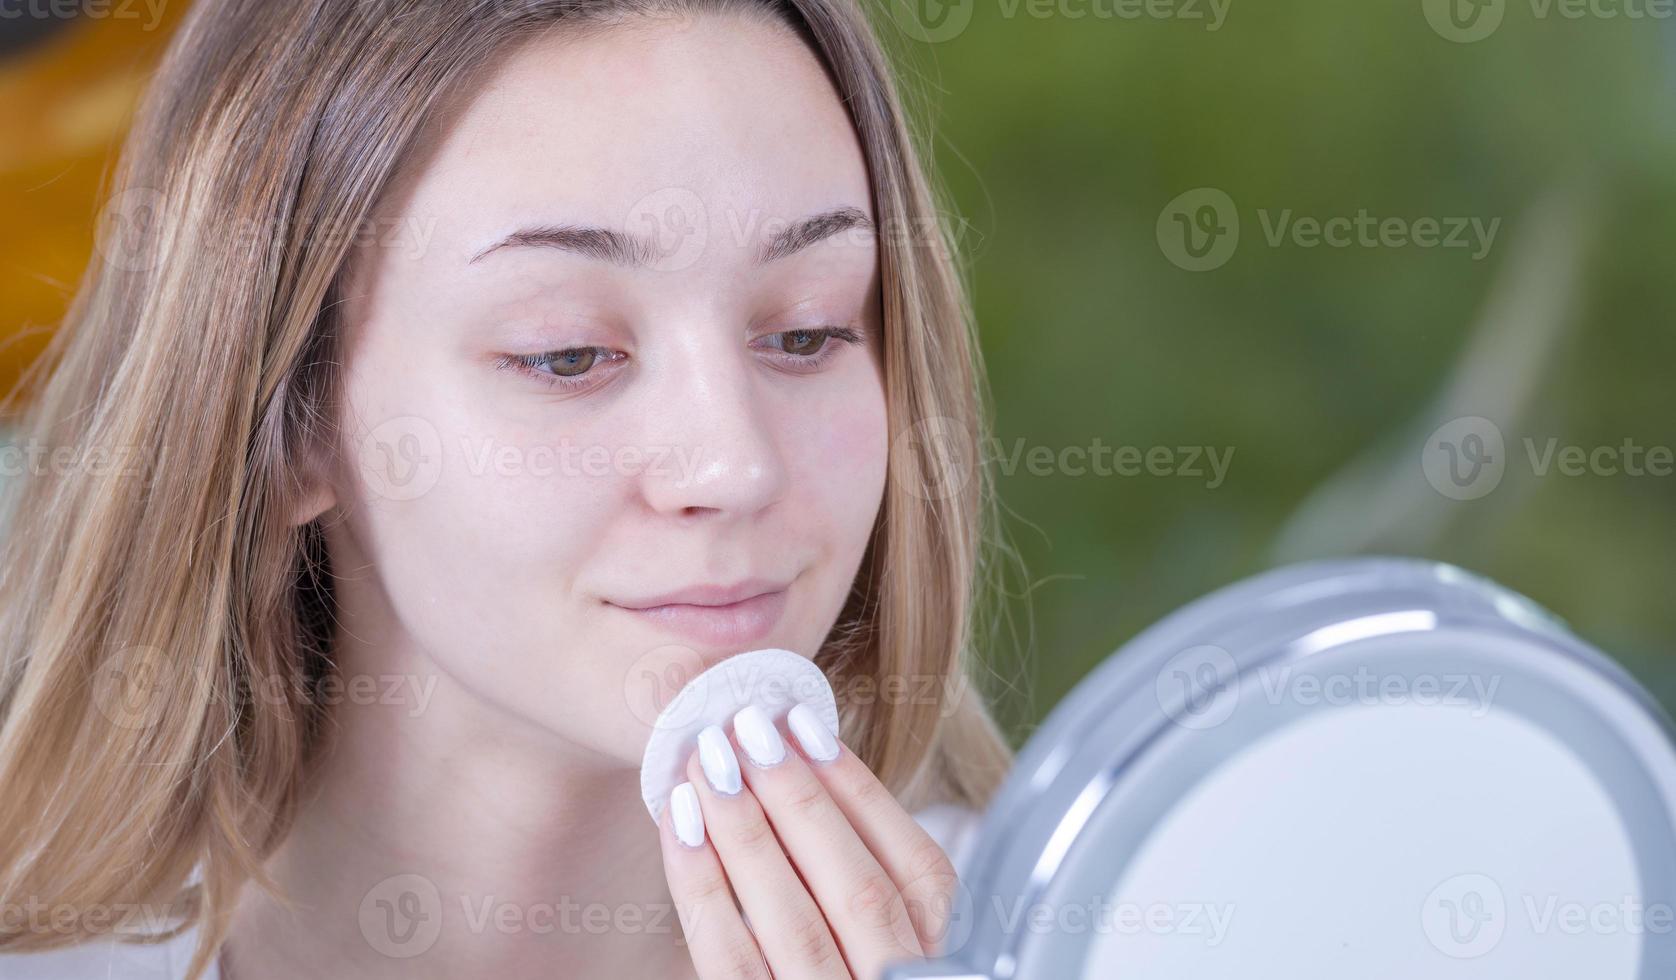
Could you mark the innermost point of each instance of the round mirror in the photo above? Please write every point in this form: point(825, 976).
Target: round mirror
point(1380, 768)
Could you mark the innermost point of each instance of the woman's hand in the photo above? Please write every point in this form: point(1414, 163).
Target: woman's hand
point(835, 877)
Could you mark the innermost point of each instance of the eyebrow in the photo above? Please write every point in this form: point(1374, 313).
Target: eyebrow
point(621, 248)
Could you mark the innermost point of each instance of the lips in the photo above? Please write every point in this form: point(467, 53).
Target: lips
point(736, 624)
point(707, 595)
point(733, 615)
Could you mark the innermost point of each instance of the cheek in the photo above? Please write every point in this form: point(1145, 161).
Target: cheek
point(840, 456)
point(474, 524)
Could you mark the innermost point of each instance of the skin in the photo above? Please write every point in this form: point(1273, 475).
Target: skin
point(493, 749)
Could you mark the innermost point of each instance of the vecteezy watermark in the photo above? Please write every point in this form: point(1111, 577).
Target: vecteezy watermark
point(129, 227)
point(404, 915)
point(409, 234)
point(401, 916)
point(1466, 21)
point(672, 228)
point(39, 917)
point(936, 457)
point(1467, 915)
point(1207, 463)
point(682, 225)
point(943, 689)
point(934, 21)
point(675, 222)
point(35, 458)
point(131, 687)
point(657, 677)
point(1466, 458)
point(1366, 231)
point(667, 229)
point(149, 11)
point(126, 230)
point(1210, 14)
point(655, 681)
point(1207, 922)
point(134, 685)
point(487, 457)
point(1200, 230)
point(568, 916)
point(1200, 687)
point(403, 458)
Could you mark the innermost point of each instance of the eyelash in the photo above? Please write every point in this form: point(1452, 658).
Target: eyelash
point(530, 364)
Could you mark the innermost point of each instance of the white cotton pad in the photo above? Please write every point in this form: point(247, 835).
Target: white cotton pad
point(775, 680)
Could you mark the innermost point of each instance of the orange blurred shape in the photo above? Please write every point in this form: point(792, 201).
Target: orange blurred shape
point(65, 103)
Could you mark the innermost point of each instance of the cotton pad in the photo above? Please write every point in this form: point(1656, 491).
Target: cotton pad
point(774, 680)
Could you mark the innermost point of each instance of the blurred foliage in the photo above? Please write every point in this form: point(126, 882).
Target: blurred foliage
point(1061, 139)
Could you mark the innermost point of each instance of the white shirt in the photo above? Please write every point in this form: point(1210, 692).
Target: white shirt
point(952, 826)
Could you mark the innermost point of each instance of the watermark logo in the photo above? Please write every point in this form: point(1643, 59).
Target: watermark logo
point(126, 231)
point(38, 458)
point(1464, 916)
point(675, 221)
point(1200, 687)
point(934, 459)
point(1465, 458)
point(1197, 688)
point(401, 458)
point(131, 687)
point(150, 11)
point(655, 678)
point(1467, 916)
point(401, 916)
point(1205, 923)
point(932, 21)
point(1464, 21)
point(1200, 229)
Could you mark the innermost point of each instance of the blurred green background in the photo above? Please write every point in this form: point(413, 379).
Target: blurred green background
point(1067, 133)
point(1062, 139)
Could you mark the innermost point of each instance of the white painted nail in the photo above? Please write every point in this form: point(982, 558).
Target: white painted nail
point(817, 740)
point(721, 766)
point(758, 735)
point(689, 819)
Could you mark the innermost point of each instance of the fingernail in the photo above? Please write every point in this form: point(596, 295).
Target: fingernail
point(757, 734)
point(817, 740)
point(721, 766)
point(689, 819)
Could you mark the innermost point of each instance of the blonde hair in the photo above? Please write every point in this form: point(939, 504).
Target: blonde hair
point(196, 369)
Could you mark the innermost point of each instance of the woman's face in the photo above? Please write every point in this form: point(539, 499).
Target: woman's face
point(612, 366)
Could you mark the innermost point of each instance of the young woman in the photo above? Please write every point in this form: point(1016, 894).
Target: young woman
point(454, 380)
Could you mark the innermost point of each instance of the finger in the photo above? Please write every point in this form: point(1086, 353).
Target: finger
point(789, 926)
point(721, 946)
point(922, 871)
point(859, 898)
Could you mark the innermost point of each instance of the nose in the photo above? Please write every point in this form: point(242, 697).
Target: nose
point(715, 428)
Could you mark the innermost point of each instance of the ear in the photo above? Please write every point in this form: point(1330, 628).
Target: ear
point(314, 493)
point(316, 499)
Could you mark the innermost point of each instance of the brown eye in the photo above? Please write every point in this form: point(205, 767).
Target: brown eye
point(803, 342)
point(570, 363)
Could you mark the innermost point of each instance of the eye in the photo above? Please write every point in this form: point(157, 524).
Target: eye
point(567, 368)
point(807, 348)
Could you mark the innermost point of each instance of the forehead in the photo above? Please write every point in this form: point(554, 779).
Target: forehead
point(728, 120)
